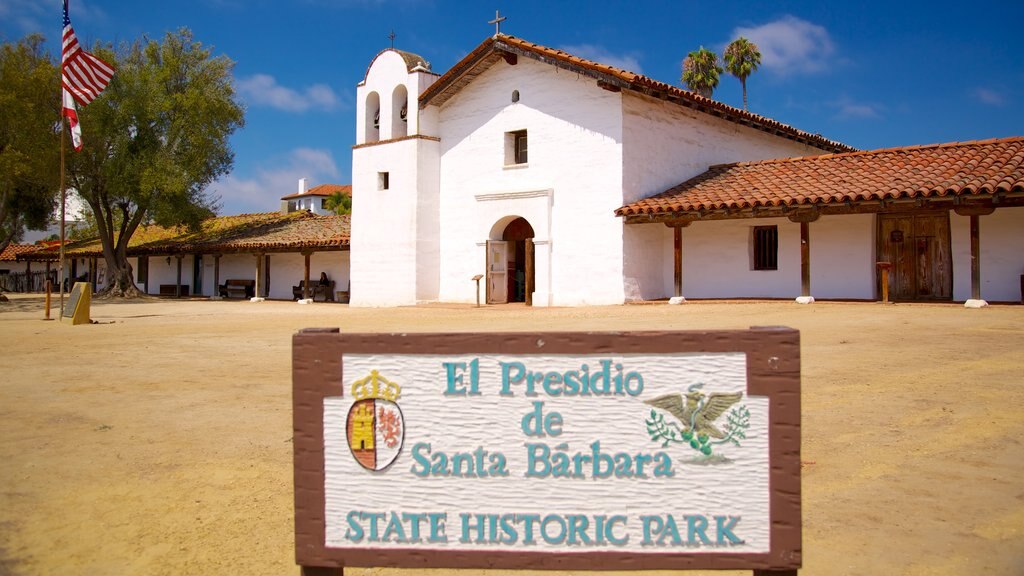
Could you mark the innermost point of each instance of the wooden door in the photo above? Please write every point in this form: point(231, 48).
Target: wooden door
point(918, 246)
point(497, 272)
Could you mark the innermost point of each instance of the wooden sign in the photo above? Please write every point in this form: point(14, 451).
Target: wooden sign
point(570, 451)
point(79, 302)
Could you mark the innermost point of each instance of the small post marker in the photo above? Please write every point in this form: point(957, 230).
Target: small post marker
point(477, 280)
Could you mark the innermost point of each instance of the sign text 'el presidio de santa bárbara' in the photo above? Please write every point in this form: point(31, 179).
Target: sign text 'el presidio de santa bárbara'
point(540, 450)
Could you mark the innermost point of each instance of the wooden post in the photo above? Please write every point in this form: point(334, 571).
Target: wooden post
point(177, 285)
point(883, 269)
point(216, 277)
point(805, 258)
point(975, 258)
point(677, 259)
point(305, 278)
point(48, 290)
point(28, 276)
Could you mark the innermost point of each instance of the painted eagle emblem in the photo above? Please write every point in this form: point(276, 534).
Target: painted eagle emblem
point(698, 412)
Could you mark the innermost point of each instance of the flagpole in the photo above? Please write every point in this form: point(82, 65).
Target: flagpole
point(63, 196)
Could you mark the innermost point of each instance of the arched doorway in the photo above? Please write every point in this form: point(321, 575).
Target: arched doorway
point(510, 264)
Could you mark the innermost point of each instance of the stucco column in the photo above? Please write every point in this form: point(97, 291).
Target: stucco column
point(542, 295)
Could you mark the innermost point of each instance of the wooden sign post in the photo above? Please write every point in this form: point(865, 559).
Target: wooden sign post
point(568, 451)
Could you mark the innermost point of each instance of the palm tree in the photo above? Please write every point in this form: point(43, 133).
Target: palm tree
point(700, 71)
point(339, 203)
point(741, 60)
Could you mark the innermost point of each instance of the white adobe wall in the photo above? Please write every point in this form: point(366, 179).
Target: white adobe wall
point(384, 228)
point(665, 144)
point(718, 261)
point(288, 269)
point(1001, 235)
point(568, 191)
point(843, 257)
point(160, 272)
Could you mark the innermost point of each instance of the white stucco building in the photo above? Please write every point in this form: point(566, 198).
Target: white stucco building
point(530, 166)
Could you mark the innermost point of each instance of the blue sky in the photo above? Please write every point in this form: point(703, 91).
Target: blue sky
point(870, 74)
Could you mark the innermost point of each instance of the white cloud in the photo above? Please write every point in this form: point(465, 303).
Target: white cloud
point(989, 96)
point(263, 192)
point(629, 61)
point(34, 16)
point(263, 90)
point(790, 45)
point(847, 109)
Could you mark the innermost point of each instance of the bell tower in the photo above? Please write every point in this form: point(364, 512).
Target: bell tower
point(395, 234)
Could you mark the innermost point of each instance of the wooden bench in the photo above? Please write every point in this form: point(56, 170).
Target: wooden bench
point(238, 289)
point(316, 289)
point(169, 289)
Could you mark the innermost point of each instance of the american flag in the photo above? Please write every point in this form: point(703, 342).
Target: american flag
point(82, 74)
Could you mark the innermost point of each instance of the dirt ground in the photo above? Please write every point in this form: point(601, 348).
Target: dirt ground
point(158, 441)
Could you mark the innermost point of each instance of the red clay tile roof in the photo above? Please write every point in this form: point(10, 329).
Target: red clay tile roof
point(322, 190)
point(493, 50)
point(956, 169)
point(11, 253)
point(268, 231)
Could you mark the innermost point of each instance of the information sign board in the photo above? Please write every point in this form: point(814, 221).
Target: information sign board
point(604, 451)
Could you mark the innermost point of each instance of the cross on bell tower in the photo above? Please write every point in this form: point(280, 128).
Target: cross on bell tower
point(498, 19)
point(391, 37)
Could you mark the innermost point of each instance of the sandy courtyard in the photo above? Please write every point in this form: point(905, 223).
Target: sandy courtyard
point(158, 441)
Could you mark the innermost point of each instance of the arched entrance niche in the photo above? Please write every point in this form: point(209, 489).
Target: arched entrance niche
point(510, 262)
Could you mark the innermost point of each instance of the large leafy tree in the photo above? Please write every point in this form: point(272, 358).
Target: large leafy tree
point(701, 71)
point(29, 144)
point(154, 140)
point(741, 60)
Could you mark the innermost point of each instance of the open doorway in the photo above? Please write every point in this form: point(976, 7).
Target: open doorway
point(510, 274)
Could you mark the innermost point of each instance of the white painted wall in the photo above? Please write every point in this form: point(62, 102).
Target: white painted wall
point(286, 270)
point(665, 144)
point(384, 224)
point(568, 191)
point(717, 261)
point(842, 257)
point(1001, 235)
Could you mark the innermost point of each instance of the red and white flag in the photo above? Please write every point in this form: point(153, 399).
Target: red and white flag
point(72, 116)
point(83, 77)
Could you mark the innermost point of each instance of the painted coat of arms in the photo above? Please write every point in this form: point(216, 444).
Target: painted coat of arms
point(375, 428)
point(696, 415)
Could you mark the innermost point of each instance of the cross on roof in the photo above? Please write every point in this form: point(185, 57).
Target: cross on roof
point(391, 37)
point(498, 19)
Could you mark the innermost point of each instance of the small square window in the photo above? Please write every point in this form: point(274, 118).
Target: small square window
point(383, 180)
point(515, 148)
point(766, 247)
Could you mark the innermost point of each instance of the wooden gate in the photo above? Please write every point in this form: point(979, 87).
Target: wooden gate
point(918, 247)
